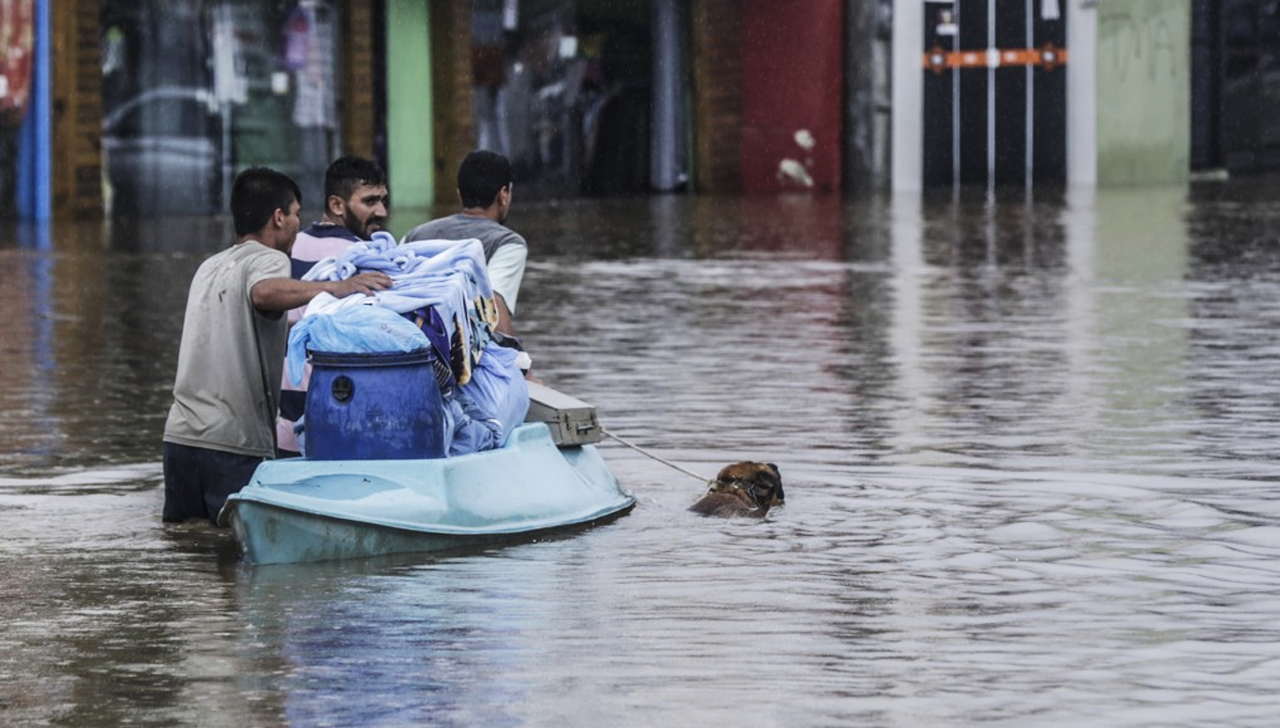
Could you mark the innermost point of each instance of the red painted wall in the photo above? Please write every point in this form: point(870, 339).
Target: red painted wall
point(791, 83)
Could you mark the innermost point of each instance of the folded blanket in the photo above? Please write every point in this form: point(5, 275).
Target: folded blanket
point(449, 275)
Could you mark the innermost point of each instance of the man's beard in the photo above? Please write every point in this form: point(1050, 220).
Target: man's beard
point(364, 230)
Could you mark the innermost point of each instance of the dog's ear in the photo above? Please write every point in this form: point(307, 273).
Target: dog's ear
point(779, 495)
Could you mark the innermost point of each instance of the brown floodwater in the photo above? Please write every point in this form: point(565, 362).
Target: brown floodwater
point(1029, 447)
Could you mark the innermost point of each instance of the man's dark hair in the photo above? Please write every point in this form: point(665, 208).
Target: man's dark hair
point(481, 176)
point(256, 195)
point(349, 172)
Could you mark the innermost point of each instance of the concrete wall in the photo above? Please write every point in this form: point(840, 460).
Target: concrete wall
point(867, 120)
point(409, 104)
point(1144, 91)
point(1082, 95)
point(907, 93)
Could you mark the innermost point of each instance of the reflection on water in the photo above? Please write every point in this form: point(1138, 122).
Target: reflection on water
point(1027, 444)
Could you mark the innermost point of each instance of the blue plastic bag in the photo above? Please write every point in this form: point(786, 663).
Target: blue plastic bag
point(351, 330)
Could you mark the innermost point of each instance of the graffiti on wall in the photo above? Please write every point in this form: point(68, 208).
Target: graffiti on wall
point(1144, 93)
point(1139, 44)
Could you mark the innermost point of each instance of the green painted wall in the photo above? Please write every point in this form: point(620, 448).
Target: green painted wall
point(1144, 91)
point(409, 125)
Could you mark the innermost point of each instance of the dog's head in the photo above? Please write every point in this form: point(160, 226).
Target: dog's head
point(761, 481)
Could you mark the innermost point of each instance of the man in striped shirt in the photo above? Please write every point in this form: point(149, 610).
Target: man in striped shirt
point(355, 207)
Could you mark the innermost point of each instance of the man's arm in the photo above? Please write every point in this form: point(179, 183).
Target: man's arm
point(506, 269)
point(282, 294)
point(504, 315)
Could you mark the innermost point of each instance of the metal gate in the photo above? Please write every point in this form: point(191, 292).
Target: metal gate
point(995, 92)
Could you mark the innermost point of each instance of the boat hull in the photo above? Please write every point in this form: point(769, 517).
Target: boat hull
point(297, 510)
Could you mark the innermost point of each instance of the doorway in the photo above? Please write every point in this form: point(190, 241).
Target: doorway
point(995, 91)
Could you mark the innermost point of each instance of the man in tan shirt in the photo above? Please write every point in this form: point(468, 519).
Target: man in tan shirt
point(230, 361)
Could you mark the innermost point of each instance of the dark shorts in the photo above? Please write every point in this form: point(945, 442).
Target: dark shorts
point(197, 481)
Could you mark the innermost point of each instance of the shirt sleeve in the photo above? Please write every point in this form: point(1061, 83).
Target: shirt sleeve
point(506, 269)
point(264, 265)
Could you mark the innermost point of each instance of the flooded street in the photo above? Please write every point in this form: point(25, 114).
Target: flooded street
point(1028, 447)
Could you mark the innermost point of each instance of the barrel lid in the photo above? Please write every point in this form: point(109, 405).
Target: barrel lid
point(369, 359)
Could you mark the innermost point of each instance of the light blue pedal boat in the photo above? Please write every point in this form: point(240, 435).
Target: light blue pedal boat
point(546, 477)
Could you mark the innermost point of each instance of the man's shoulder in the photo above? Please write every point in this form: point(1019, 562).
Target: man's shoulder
point(246, 261)
point(457, 224)
point(439, 227)
point(327, 231)
point(261, 261)
point(260, 250)
point(515, 237)
point(244, 251)
point(318, 242)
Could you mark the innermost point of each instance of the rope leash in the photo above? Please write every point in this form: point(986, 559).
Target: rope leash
point(648, 454)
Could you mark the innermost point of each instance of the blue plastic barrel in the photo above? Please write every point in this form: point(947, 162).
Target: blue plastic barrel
point(374, 407)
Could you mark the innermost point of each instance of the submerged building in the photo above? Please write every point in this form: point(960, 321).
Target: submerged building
point(146, 107)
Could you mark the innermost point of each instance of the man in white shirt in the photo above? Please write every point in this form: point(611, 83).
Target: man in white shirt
point(484, 187)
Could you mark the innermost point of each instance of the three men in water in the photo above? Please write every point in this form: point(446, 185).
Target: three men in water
point(235, 329)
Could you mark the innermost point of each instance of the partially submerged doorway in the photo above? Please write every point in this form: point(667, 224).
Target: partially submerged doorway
point(572, 92)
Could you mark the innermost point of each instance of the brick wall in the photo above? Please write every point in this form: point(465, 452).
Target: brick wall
point(717, 93)
point(357, 80)
point(455, 130)
point(77, 109)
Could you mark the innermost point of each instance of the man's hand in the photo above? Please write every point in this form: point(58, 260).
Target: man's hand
point(282, 294)
point(367, 283)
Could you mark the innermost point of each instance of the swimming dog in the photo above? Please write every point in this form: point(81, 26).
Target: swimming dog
point(742, 489)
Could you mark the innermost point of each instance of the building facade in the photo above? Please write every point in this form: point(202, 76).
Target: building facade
point(143, 107)
point(1077, 92)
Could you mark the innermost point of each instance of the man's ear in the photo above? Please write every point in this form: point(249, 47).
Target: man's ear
point(337, 205)
point(277, 218)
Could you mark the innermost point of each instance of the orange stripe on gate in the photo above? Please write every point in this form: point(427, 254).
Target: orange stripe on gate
point(1048, 57)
